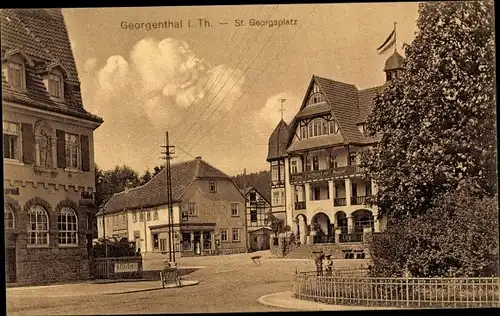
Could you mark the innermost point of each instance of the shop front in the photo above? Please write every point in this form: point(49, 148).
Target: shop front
point(197, 239)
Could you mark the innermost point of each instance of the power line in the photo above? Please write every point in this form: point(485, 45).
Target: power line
point(188, 112)
point(264, 69)
point(151, 153)
point(255, 58)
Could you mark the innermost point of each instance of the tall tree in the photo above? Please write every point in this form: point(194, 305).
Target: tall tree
point(146, 177)
point(437, 121)
point(113, 181)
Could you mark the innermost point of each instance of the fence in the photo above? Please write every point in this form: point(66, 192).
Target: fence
point(118, 268)
point(355, 288)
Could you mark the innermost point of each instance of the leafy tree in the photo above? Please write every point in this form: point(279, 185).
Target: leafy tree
point(115, 248)
point(146, 177)
point(276, 224)
point(113, 181)
point(157, 170)
point(456, 237)
point(436, 122)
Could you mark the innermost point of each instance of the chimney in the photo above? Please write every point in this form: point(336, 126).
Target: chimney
point(128, 185)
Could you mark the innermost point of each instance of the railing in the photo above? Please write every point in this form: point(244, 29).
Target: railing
point(118, 268)
point(326, 239)
point(351, 237)
point(333, 173)
point(356, 289)
point(358, 200)
point(300, 205)
point(340, 201)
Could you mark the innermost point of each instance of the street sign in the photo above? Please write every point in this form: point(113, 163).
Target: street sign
point(126, 267)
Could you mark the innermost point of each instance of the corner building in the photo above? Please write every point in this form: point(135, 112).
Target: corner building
point(48, 157)
point(317, 183)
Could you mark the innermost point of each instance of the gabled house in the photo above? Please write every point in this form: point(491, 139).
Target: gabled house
point(208, 213)
point(325, 192)
point(258, 226)
point(49, 179)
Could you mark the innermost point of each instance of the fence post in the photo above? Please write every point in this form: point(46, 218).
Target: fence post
point(407, 280)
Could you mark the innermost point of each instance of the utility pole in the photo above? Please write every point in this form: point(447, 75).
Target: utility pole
point(169, 150)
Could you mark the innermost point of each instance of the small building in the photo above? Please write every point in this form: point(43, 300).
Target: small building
point(208, 213)
point(49, 178)
point(258, 227)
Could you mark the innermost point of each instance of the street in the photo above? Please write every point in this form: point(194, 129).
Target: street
point(231, 283)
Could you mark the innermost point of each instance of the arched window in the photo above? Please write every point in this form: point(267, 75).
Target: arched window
point(316, 98)
point(8, 216)
point(44, 146)
point(38, 229)
point(67, 225)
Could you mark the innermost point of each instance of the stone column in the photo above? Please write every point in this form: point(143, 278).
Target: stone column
point(331, 190)
point(192, 241)
point(202, 249)
point(337, 235)
point(349, 223)
point(348, 191)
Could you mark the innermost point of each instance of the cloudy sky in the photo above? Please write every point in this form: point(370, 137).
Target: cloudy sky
point(216, 89)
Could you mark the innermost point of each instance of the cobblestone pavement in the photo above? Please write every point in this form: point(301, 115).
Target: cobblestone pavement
point(230, 283)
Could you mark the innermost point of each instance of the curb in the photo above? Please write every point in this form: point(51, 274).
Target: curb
point(285, 300)
point(185, 283)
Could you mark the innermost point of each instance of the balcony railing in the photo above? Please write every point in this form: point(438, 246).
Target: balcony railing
point(351, 237)
point(340, 201)
point(300, 205)
point(358, 200)
point(334, 173)
point(325, 239)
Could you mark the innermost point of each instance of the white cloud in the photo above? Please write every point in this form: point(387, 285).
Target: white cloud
point(157, 81)
point(270, 115)
point(90, 65)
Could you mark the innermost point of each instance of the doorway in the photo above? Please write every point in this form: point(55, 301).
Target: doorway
point(197, 242)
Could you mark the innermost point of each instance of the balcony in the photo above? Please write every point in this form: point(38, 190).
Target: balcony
point(359, 200)
point(300, 205)
point(340, 202)
point(327, 174)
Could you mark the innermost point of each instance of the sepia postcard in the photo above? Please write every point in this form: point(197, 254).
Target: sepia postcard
point(250, 158)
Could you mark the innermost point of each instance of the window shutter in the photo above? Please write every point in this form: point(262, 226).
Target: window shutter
point(84, 143)
point(61, 148)
point(28, 143)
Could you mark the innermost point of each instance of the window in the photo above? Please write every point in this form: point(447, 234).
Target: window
point(317, 194)
point(275, 174)
point(276, 198)
point(316, 98)
point(213, 187)
point(303, 132)
point(282, 172)
point(15, 75)
point(234, 209)
point(253, 215)
point(192, 209)
point(315, 163)
point(67, 225)
point(8, 217)
point(155, 241)
point(354, 189)
point(223, 235)
point(282, 197)
point(55, 86)
point(331, 126)
point(325, 127)
point(236, 234)
point(294, 167)
point(38, 229)
point(148, 214)
point(352, 159)
point(141, 216)
point(11, 140)
point(310, 128)
point(72, 151)
point(333, 162)
point(124, 218)
point(134, 217)
point(155, 215)
point(184, 215)
point(253, 196)
point(368, 188)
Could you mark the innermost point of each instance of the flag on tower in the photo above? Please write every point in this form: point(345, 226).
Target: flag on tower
point(389, 42)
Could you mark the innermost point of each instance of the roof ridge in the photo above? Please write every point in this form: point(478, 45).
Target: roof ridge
point(225, 174)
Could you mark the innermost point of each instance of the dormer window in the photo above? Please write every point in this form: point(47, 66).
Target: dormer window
point(316, 98)
point(55, 85)
point(15, 75)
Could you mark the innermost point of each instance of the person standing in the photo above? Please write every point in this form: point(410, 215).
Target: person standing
point(319, 263)
point(328, 265)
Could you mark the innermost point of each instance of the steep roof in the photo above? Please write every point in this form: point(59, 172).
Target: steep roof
point(154, 191)
point(278, 141)
point(249, 189)
point(348, 105)
point(41, 35)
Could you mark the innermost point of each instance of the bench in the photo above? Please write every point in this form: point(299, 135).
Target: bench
point(256, 259)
